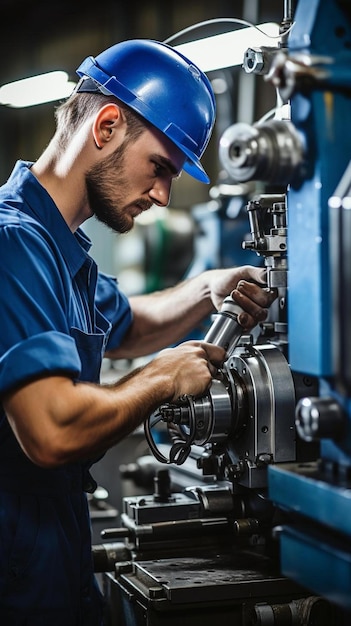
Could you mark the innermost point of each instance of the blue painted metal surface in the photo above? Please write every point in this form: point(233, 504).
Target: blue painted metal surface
point(321, 115)
point(302, 489)
point(326, 564)
point(316, 546)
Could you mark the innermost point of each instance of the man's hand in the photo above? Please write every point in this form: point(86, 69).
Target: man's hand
point(254, 301)
point(165, 317)
point(247, 286)
point(57, 420)
point(189, 367)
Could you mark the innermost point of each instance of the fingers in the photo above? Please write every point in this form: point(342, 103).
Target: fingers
point(263, 297)
point(256, 274)
point(215, 355)
point(254, 301)
point(190, 367)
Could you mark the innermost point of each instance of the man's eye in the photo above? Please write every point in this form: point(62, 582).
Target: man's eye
point(158, 169)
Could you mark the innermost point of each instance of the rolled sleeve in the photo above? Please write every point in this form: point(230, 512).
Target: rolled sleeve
point(47, 353)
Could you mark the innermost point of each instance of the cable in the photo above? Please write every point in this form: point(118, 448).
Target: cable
point(220, 20)
point(181, 447)
point(182, 442)
point(150, 440)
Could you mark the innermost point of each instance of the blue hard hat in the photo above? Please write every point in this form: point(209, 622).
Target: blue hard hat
point(165, 88)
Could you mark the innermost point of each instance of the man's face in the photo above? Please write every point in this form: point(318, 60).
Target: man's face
point(133, 178)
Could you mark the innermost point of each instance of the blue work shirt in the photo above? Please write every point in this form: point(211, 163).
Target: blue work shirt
point(58, 316)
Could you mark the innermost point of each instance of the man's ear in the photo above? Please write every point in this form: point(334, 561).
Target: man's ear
point(107, 120)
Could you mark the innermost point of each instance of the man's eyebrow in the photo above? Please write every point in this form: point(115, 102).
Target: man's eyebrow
point(167, 163)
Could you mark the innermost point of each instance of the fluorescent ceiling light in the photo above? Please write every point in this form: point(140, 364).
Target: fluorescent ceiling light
point(36, 90)
point(210, 53)
point(228, 49)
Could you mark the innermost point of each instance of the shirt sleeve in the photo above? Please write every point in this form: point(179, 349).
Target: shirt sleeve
point(34, 301)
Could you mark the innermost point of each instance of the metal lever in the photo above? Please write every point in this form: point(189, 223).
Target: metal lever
point(225, 330)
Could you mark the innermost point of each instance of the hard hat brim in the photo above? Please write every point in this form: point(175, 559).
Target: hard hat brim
point(196, 171)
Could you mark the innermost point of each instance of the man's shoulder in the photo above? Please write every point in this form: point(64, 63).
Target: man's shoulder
point(12, 214)
point(14, 206)
point(18, 229)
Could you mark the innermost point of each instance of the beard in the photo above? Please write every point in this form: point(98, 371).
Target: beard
point(103, 184)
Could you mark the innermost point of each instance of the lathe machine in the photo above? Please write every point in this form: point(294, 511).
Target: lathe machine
point(249, 519)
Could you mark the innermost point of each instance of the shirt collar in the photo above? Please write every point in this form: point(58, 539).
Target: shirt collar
point(39, 204)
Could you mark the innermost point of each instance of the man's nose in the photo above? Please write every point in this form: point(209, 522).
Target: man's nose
point(160, 192)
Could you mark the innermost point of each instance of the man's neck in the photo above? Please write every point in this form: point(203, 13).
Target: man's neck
point(63, 179)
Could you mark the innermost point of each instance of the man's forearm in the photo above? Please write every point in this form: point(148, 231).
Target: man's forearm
point(58, 421)
point(165, 317)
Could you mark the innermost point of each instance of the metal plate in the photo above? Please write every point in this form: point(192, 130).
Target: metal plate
point(219, 578)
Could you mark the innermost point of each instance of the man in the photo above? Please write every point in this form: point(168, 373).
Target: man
point(139, 116)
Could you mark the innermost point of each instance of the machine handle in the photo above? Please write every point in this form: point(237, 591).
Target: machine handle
point(225, 330)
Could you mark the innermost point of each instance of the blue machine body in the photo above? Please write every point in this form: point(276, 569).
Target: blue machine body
point(316, 545)
point(322, 116)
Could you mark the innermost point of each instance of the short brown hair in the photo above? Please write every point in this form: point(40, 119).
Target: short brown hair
point(72, 113)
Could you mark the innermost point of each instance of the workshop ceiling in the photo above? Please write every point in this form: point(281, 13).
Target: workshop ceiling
point(36, 34)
